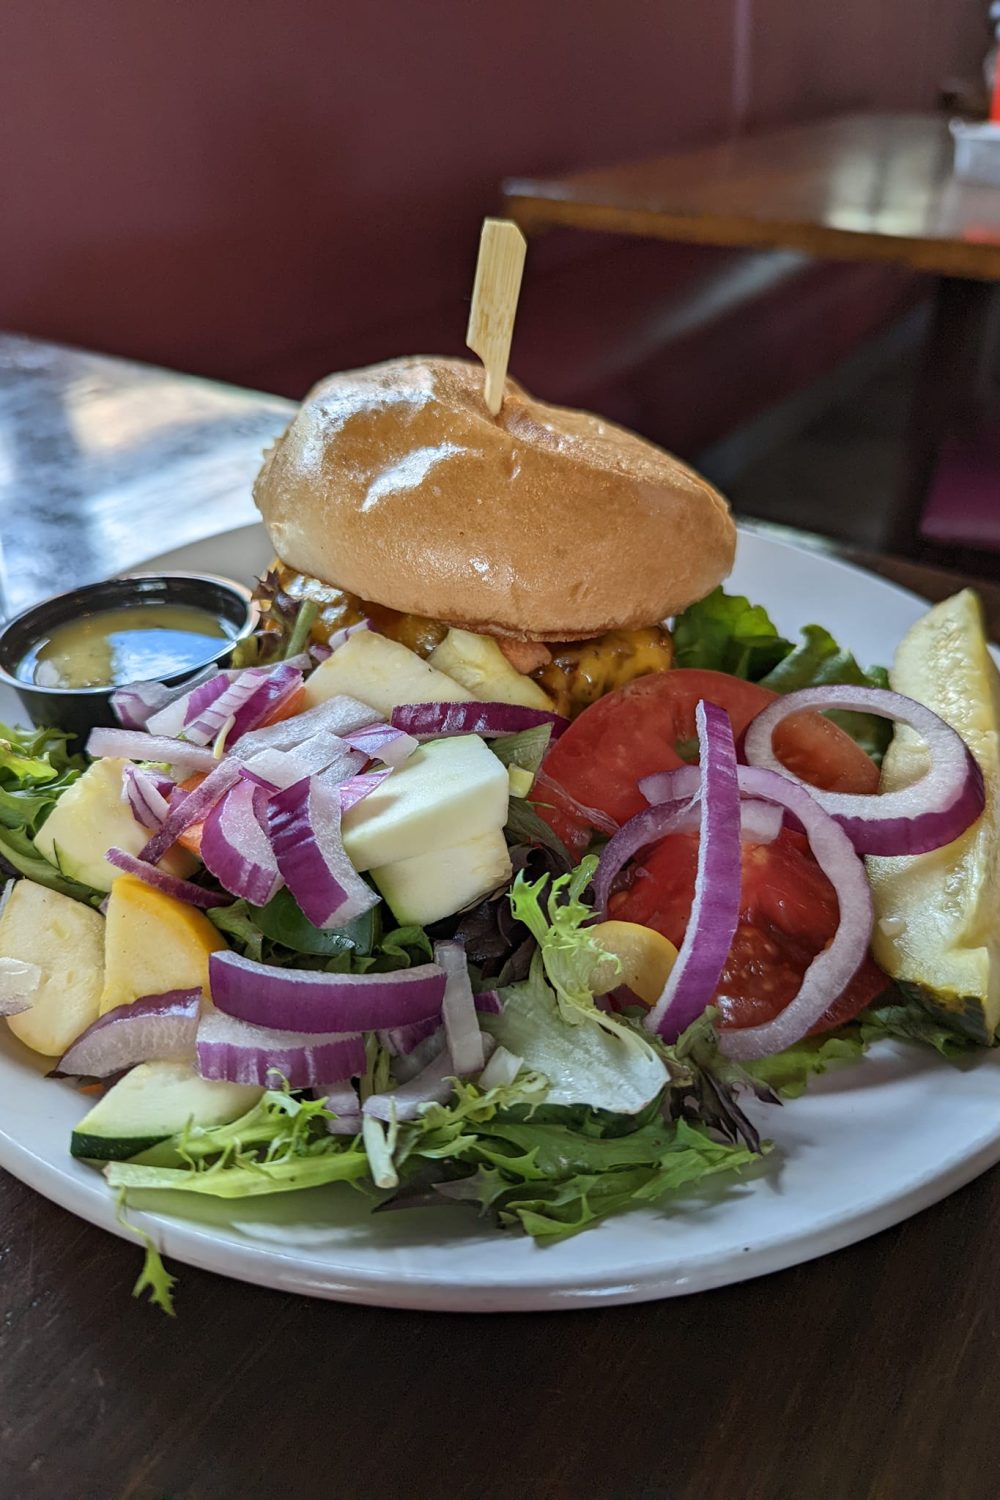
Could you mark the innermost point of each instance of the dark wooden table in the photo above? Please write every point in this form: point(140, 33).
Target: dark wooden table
point(872, 1373)
point(873, 187)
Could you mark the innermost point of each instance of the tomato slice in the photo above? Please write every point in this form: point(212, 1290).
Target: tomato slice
point(788, 909)
point(788, 914)
point(649, 725)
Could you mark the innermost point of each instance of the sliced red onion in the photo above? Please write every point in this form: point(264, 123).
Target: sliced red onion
point(501, 1070)
point(193, 808)
point(19, 981)
point(278, 769)
point(280, 685)
point(407, 1065)
point(592, 816)
point(427, 721)
point(434, 1085)
point(236, 848)
point(205, 694)
point(834, 968)
point(131, 744)
point(345, 632)
point(931, 812)
point(383, 742)
point(760, 822)
point(647, 827)
point(341, 1099)
point(318, 652)
point(311, 1001)
point(170, 885)
point(715, 911)
point(304, 828)
point(458, 1010)
point(157, 1026)
point(240, 1053)
point(177, 712)
point(356, 788)
point(135, 702)
point(205, 720)
point(851, 884)
point(144, 793)
point(400, 1041)
point(338, 716)
point(403, 1041)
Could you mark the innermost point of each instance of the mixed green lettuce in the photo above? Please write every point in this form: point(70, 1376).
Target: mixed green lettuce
point(600, 1116)
point(280, 934)
point(726, 633)
point(36, 767)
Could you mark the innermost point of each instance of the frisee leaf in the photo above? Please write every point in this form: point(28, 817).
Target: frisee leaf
point(570, 953)
point(154, 1277)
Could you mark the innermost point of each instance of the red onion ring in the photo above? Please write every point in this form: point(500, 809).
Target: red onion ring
point(135, 702)
point(834, 968)
point(193, 808)
point(464, 1039)
point(313, 1001)
point(695, 976)
point(434, 720)
point(135, 744)
point(341, 1099)
point(278, 769)
point(280, 684)
point(161, 1026)
point(356, 788)
point(931, 812)
point(240, 1053)
point(382, 742)
point(303, 824)
point(236, 848)
point(208, 710)
point(142, 791)
point(170, 885)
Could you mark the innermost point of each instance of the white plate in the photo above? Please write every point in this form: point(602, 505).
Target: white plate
point(867, 1147)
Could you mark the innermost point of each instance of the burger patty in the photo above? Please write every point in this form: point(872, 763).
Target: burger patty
point(573, 673)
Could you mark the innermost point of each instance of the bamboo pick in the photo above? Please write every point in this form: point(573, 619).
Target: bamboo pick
point(502, 249)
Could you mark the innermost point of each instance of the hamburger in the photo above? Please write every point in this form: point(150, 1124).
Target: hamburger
point(548, 540)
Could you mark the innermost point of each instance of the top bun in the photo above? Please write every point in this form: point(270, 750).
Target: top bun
point(396, 484)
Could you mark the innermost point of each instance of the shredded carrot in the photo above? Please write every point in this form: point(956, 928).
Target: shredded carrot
point(287, 710)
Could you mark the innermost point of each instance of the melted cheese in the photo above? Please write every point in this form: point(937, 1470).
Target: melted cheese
point(579, 673)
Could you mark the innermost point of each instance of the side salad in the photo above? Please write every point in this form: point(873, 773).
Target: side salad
point(308, 921)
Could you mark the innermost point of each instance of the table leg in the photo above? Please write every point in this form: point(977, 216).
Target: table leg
point(952, 373)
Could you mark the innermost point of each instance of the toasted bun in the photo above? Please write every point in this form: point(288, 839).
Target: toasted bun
point(396, 484)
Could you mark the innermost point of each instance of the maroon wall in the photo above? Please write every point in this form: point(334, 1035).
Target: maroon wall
point(219, 184)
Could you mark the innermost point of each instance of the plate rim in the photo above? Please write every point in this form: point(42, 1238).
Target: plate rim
point(81, 1191)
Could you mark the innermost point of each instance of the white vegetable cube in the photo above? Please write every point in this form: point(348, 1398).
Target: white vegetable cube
point(477, 663)
point(431, 886)
point(381, 672)
point(448, 792)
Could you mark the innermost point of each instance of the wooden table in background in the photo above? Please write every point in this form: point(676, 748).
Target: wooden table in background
point(873, 187)
point(872, 1372)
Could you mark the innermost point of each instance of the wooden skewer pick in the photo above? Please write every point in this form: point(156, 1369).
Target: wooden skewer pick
point(502, 249)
